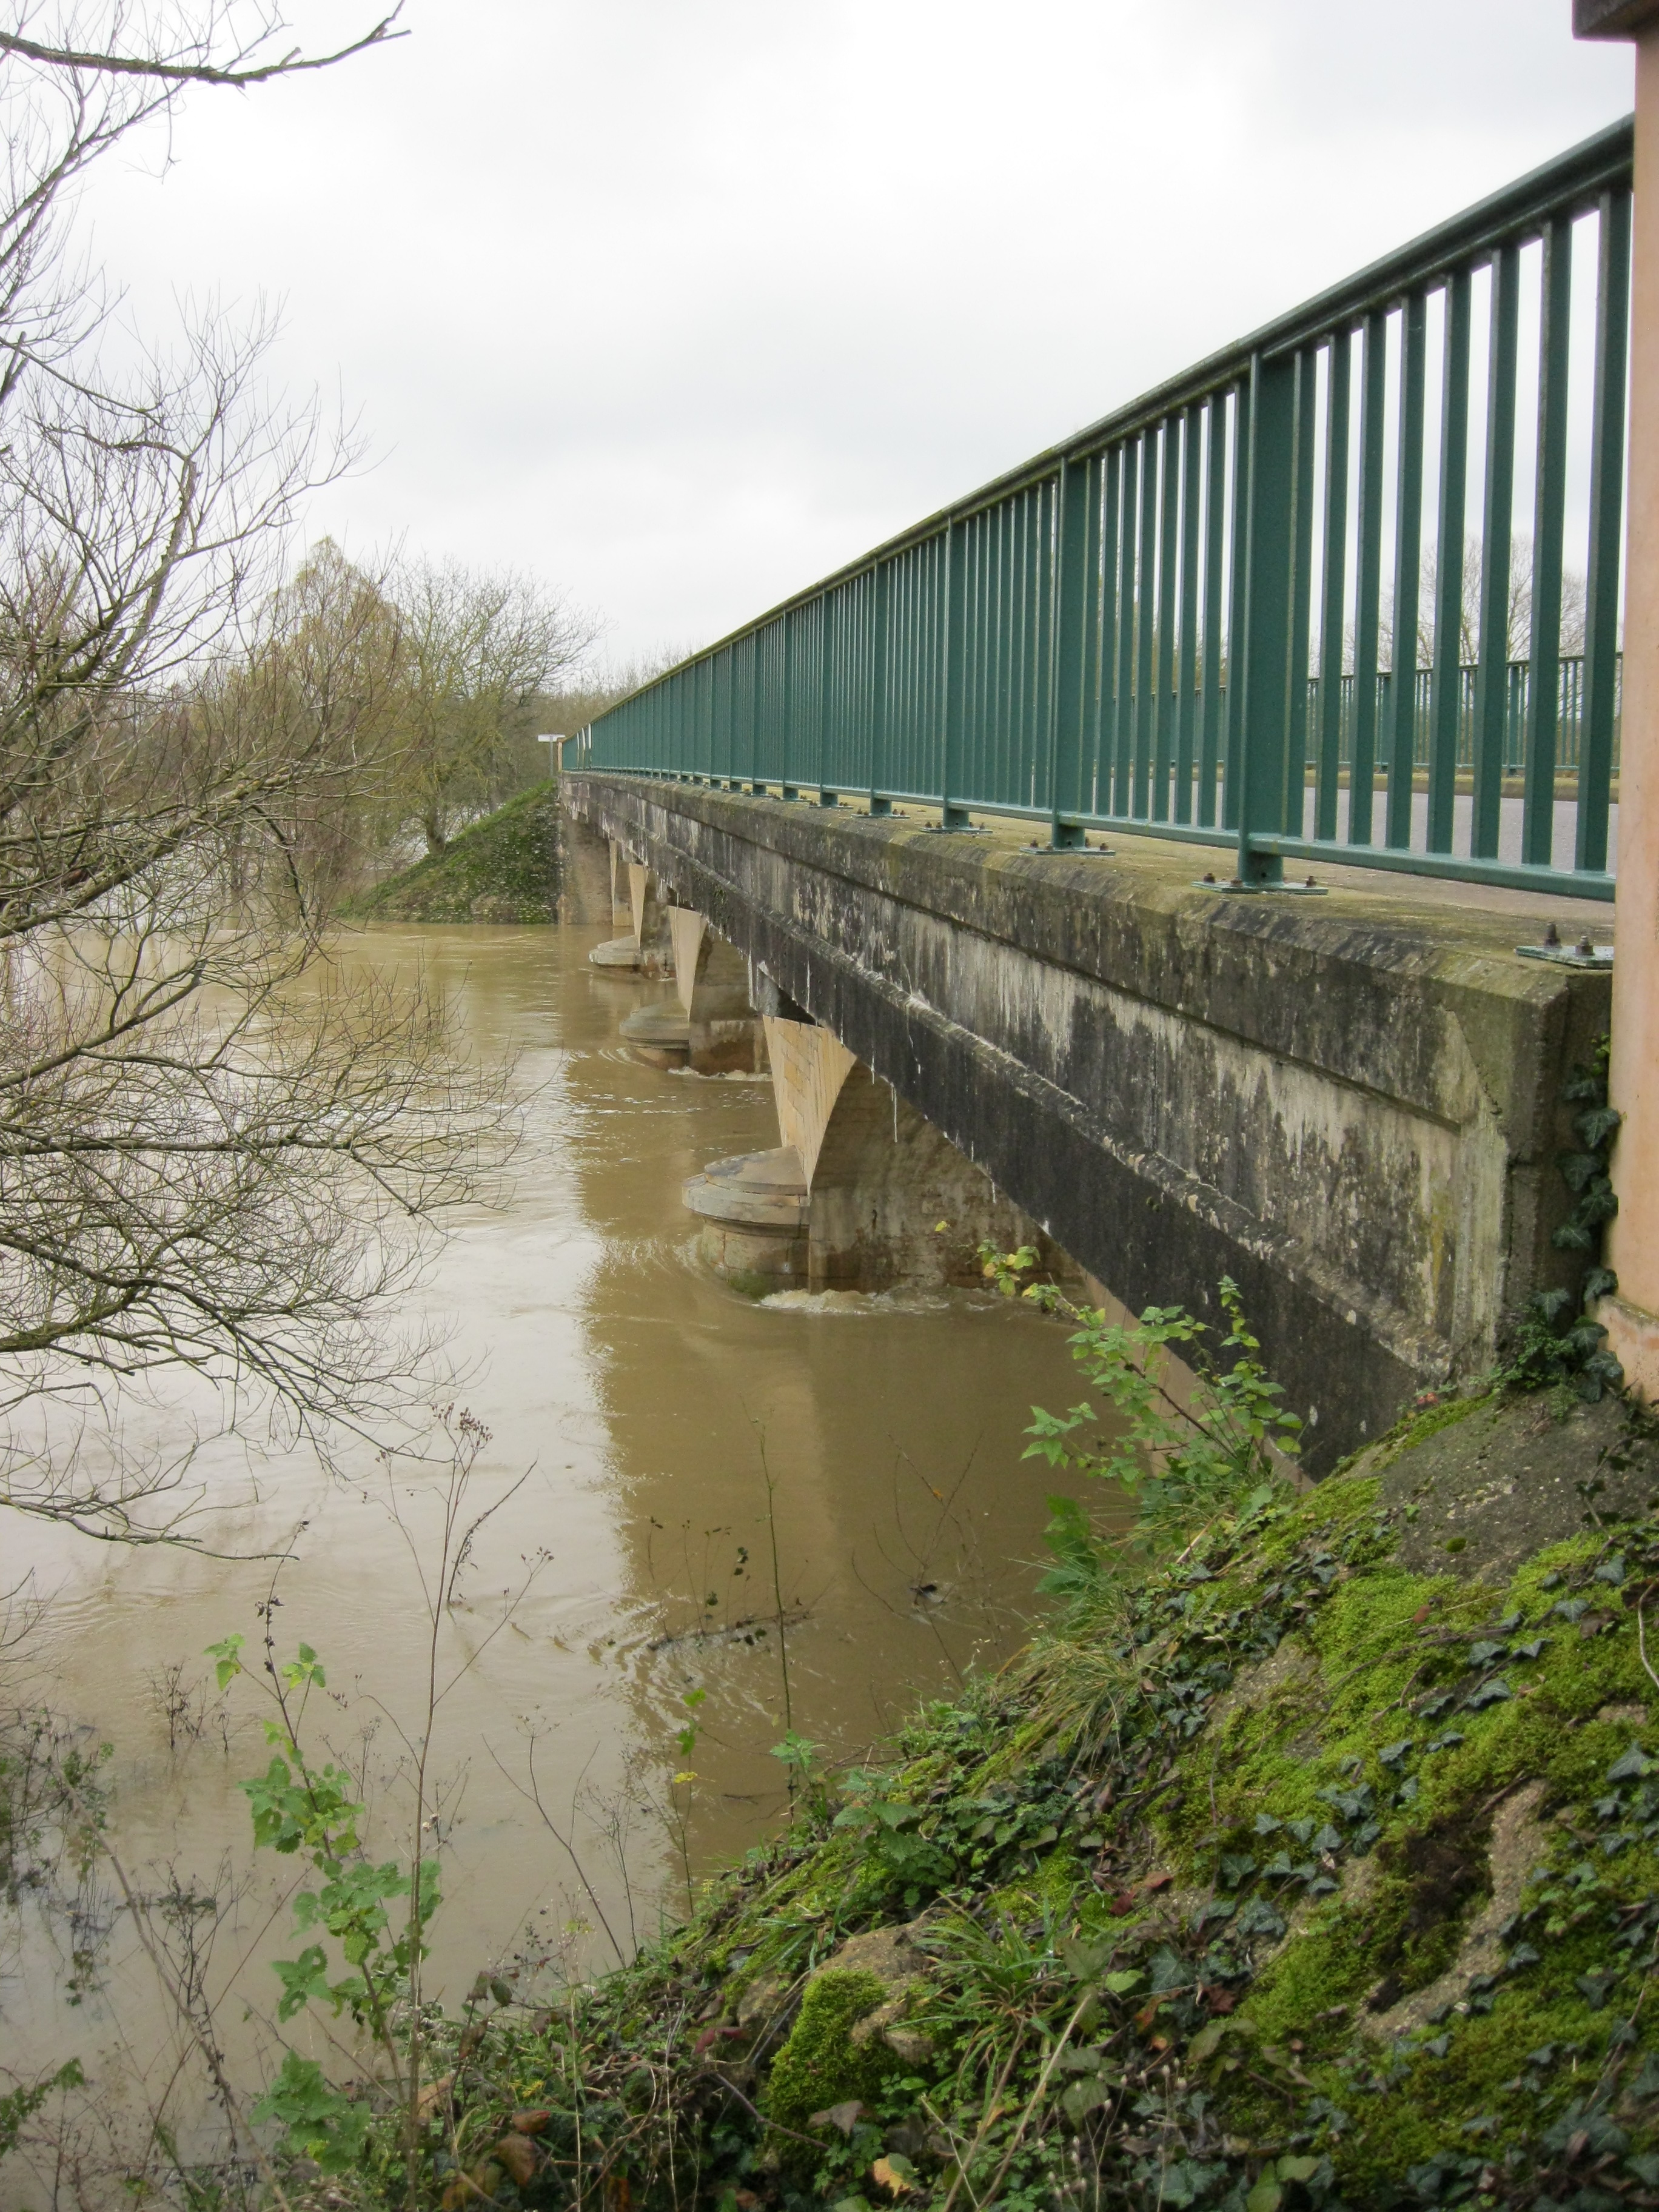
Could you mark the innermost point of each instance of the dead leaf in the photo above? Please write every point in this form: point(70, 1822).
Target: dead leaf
point(1122, 1903)
point(517, 2154)
point(844, 2117)
point(894, 2174)
point(1154, 1882)
point(529, 2124)
point(433, 2095)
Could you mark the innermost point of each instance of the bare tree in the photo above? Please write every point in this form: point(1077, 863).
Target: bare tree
point(478, 647)
point(598, 688)
point(217, 1152)
point(1519, 625)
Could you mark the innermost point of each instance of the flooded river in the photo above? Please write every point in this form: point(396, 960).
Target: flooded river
point(667, 1439)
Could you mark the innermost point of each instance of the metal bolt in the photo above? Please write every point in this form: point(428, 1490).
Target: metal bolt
point(1552, 934)
point(1585, 946)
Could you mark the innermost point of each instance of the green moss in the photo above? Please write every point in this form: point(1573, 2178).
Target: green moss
point(820, 2065)
point(1221, 1904)
point(503, 869)
point(1417, 1428)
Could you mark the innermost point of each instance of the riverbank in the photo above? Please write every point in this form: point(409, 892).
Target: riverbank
point(503, 869)
point(1319, 1868)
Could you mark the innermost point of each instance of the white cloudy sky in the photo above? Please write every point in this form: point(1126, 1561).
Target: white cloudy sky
point(684, 302)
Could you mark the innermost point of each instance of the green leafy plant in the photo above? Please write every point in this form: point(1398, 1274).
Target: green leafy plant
point(19, 2106)
point(686, 1779)
point(798, 1756)
point(1223, 1449)
point(1558, 1342)
point(318, 2123)
point(366, 1947)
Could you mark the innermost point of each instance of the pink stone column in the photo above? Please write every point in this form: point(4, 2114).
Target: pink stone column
point(1633, 1316)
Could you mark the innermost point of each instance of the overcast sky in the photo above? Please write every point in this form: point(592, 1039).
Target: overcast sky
point(684, 302)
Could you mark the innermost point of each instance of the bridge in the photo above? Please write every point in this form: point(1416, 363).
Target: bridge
point(1100, 864)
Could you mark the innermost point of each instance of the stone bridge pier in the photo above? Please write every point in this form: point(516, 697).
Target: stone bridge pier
point(863, 1193)
point(1351, 1105)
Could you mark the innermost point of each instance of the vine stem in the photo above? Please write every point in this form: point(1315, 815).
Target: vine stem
point(1642, 1642)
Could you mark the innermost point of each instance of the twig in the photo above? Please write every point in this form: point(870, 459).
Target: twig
point(204, 72)
point(533, 1796)
point(202, 2040)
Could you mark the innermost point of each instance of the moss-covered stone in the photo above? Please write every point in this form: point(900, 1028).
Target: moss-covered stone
point(820, 2065)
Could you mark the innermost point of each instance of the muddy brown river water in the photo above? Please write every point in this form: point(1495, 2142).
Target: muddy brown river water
point(645, 1409)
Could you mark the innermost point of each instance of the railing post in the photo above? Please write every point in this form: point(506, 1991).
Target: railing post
point(1407, 571)
point(1445, 696)
point(952, 814)
point(1599, 675)
point(1549, 510)
point(1301, 609)
point(1215, 521)
point(1267, 628)
point(790, 776)
point(882, 585)
point(1331, 640)
point(1072, 559)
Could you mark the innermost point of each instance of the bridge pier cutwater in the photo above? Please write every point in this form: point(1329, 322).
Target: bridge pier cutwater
point(863, 1193)
point(1350, 1106)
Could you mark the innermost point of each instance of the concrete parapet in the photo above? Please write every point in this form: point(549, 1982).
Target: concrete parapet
point(1351, 1106)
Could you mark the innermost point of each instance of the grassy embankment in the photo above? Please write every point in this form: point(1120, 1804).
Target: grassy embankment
point(505, 868)
point(1317, 1868)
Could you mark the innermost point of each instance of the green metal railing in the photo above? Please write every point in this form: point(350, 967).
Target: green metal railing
point(1176, 622)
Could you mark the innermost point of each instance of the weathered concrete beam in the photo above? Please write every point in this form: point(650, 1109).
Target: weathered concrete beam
point(863, 1193)
point(1352, 1109)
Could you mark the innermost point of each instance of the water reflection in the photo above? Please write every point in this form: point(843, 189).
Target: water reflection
point(667, 1437)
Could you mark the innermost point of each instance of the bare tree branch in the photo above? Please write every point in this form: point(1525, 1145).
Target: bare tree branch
point(196, 72)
